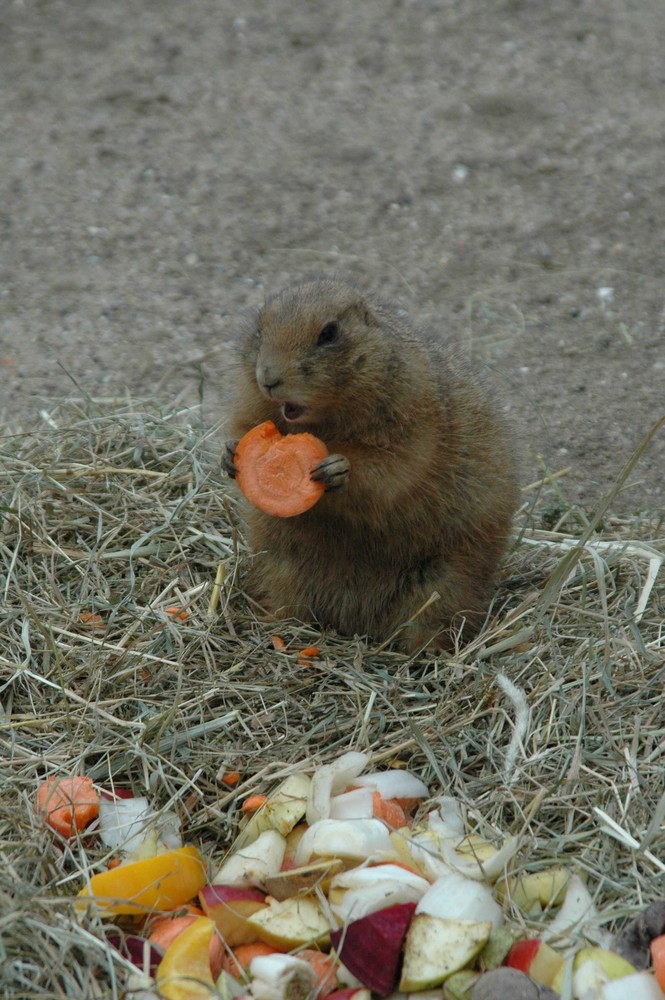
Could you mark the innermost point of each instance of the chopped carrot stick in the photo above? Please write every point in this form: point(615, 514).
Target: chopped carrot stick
point(274, 470)
point(180, 614)
point(389, 811)
point(231, 778)
point(309, 652)
point(67, 804)
point(91, 619)
point(277, 642)
point(253, 802)
point(240, 958)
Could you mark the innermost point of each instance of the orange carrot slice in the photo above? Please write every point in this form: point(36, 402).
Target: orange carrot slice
point(240, 958)
point(274, 470)
point(324, 967)
point(658, 959)
point(253, 802)
point(231, 778)
point(67, 804)
point(389, 811)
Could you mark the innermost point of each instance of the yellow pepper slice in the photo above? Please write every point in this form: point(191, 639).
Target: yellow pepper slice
point(184, 972)
point(161, 882)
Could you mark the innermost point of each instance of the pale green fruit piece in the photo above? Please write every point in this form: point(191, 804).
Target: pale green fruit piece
point(592, 967)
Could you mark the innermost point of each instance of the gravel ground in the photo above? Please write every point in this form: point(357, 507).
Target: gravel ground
point(498, 168)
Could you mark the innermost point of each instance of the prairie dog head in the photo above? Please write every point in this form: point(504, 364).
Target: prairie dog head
point(316, 346)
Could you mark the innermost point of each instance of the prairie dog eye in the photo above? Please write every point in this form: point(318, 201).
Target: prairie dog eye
point(328, 334)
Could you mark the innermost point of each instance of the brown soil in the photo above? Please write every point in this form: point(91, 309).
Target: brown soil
point(498, 167)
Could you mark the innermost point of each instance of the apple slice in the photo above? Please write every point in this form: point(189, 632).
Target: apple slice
point(283, 810)
point(294, 881)
point(639, 986)
point(592, 968)
point(436, 947)
point(291, 923)
point(230, 906)
point(537, 959)
point(536, 890)
point(371, 947)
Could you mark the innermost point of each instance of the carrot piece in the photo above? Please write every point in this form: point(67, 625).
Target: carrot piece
point(67, 804)
point(231, 778)
point(91, 619)
point(253, 802)
point(324, 969)
point(277, 642)
point(274, 470)
point(180, 614)
point(240, 958)
point(389, 811)
point(658, 958)
point(309, 652)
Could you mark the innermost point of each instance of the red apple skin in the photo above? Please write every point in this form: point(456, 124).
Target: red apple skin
point(522, 954)
point(371, 947)
point(229, 906)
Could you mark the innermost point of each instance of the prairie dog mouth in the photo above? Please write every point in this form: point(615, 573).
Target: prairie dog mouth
point(293, 411)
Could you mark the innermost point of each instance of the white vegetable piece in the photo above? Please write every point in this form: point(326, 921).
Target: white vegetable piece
point(253, 864)
point(331, 779)
point(576, 909)
point(639, 986)
point(393, 784)
point(352, 839)
point(356, 804)
point(123, 823)
point(455, 897)
point(280, 977)
point(361, 891)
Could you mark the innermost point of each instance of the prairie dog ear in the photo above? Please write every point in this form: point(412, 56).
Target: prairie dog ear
point(361, 312)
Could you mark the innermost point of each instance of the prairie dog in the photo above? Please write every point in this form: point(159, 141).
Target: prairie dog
point(421, 482)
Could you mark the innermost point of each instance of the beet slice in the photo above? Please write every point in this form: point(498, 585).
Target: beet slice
point(371, 948)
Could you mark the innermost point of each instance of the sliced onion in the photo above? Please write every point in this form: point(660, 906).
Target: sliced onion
point(489, 868)
point(253, 864)
point(123, 823)
point(329, 780)
point(356, 804)
point(354, 839)
point(447, 822)
point(358, 903)
point(577, 909)
point(394, 784)
point(455, 897)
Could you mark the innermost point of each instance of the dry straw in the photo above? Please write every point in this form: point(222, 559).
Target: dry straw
point(119, 511)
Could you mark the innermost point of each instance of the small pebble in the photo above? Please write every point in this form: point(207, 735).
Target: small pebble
point(509, 984)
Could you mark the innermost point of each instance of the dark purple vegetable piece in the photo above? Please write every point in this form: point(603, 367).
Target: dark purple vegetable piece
point(371, 948)
point(133, 947)
point(634, 940)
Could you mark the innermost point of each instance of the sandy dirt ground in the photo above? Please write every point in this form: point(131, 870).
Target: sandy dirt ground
point(499, 168)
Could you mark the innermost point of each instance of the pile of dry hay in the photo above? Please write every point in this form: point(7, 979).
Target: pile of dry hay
point(120, 511)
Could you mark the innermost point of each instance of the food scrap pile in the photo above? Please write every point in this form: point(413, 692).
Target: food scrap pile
point(341, 885)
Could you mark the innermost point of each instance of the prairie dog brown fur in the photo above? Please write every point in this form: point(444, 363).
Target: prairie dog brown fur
point(421, 480)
